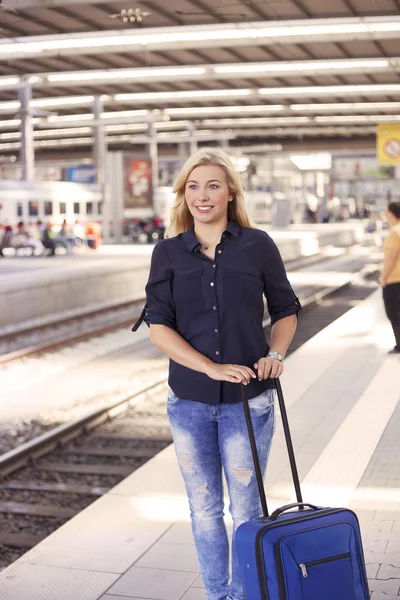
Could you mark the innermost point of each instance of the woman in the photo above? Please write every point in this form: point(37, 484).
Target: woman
point(390, 278)
point(205, 311)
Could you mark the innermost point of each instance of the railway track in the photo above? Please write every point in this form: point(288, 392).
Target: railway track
point(51, 478)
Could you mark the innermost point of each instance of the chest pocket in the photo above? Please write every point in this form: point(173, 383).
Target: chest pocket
point(242, 286)
point(187, 290)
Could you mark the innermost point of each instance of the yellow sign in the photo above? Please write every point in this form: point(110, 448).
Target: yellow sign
point(388, 144)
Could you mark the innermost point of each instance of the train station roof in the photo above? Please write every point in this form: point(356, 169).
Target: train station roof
point(261, 70)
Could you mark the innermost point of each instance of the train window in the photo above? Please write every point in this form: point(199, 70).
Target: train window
point(48, 208)
point(89, 208)
point(19, 210)
point(100, 208)
point(33, 209)
point(63, 208)
point(76, 208)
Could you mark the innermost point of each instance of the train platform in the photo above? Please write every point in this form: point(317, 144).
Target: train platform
point(343, 401)
point(70, 283)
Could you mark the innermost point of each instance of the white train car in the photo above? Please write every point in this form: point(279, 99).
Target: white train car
point(49, 202)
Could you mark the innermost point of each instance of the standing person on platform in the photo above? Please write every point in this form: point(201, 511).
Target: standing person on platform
point(205, 311)
point(390, 278)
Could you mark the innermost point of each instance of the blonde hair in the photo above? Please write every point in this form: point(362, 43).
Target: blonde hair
point(181, 219)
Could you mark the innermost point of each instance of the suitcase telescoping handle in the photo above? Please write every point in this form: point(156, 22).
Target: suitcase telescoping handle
point(289, 445)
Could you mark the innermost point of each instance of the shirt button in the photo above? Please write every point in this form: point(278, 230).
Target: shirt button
point(217, 353)
point(212, 284)
point(216, 330)
point(214, 308)
point(214, 266)
point(219, 251)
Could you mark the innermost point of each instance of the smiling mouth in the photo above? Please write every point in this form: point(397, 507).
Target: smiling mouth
point(204, 208)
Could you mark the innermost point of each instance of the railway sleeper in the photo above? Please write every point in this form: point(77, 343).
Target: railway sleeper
point(62, 488)
point(126, 452)
point(37, 510)
point(86, 469)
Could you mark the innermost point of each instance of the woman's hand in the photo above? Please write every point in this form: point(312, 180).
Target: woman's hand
point(231, 373)
point(268, 367)
point(383, 281)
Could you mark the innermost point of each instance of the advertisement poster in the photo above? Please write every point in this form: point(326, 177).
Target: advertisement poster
point(80, 174)
point(137, 183)
point(388, 144)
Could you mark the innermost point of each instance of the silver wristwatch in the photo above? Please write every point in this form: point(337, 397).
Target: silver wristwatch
point(275, 355)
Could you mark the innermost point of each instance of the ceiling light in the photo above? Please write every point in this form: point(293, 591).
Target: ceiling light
point(213, 71)
point(62, 101)
point(231, 110)
point(295, 66)
point(338, 90)
point(222, 35)
point(357, 119)
point(9, 81)
point(313, 162)
point(10, 123)
point(249, 122)
point(346, 106)
point(178, 96)
point(9, 106)
point(111, 74)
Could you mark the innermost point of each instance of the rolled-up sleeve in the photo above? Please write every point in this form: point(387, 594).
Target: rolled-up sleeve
point(160, 306)
point(281, 299)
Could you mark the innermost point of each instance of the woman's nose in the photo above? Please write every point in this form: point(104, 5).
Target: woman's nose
point(203, 194)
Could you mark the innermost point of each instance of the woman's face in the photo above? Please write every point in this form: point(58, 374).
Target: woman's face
point(207, 194)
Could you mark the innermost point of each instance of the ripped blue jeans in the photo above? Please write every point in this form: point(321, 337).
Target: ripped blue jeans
point(209, 438)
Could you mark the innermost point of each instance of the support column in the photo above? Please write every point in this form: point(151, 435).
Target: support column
point(99, 143)
point(225, 144)
point(27, 152)
point(153, 147)
point(193, 140)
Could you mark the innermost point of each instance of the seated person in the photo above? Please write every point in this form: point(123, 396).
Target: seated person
point(48, 240)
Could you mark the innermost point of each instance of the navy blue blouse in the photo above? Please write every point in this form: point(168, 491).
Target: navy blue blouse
point(217, 305)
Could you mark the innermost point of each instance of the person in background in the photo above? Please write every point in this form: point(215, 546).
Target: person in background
point(390, 278)
point(62, 236)
point(6, 238)
point(29, 241)
point(48, 240)
point(205, 311)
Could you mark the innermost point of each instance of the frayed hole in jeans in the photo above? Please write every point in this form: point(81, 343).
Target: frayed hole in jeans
point(242, 475)
point(202, 488)
point(186, 464)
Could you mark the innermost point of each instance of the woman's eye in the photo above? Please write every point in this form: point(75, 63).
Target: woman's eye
point(214, 186)
point(192, 186)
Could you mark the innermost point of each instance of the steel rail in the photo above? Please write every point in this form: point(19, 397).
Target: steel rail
point(62, 434)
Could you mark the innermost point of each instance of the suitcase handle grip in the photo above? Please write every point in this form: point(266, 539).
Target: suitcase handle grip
point(282, 509)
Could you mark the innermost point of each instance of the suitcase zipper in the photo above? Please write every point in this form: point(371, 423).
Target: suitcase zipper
point(313, 563)
point(260, 552)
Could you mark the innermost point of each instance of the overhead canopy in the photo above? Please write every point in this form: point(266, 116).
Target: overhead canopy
point(292, 68)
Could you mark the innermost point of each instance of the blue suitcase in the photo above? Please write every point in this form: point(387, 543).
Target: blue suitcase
point(301, 551)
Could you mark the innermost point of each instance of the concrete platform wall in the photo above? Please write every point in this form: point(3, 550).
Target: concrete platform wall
point(44, 294)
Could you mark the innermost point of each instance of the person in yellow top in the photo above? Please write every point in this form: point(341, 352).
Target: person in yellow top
point(390, 278)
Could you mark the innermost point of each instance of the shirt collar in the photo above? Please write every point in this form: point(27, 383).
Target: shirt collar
point(192, 243)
